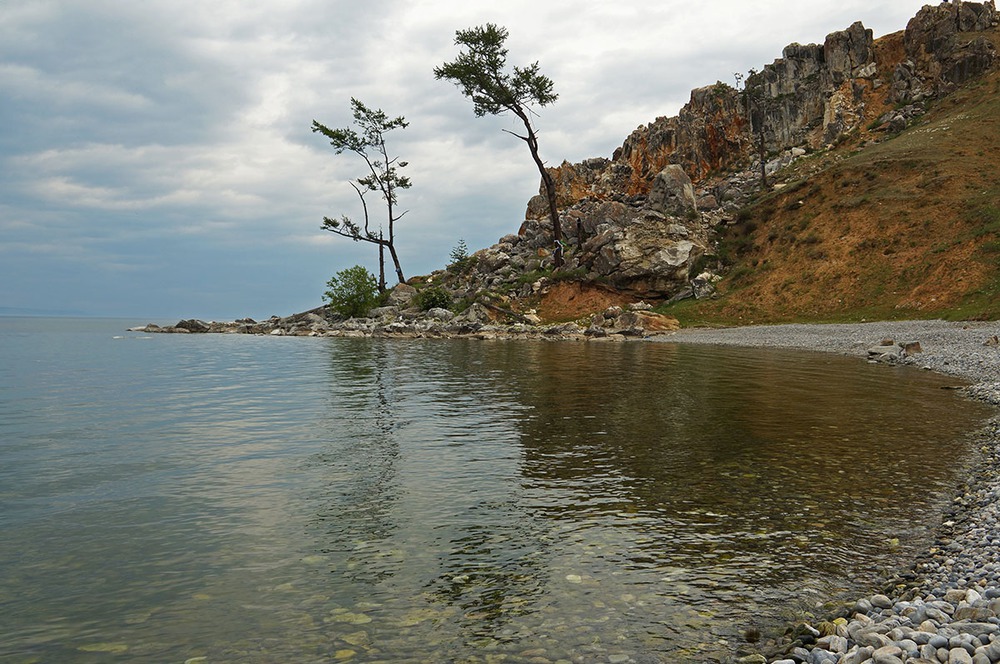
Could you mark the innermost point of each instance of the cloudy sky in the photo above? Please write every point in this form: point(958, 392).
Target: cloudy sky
point(156, 158)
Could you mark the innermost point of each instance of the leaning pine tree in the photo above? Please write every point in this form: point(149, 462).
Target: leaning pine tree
point(480, 71)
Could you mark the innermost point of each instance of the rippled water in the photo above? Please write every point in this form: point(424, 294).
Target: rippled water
point(248, 499)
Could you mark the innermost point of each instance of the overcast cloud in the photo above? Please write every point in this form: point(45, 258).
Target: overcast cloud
point(156, 158)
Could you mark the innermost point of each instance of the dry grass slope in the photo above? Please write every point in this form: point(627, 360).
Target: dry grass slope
point(905, 228)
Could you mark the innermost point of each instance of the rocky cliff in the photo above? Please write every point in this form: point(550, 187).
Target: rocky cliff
point(637, 222)
point(646, 221)
point(814, 93)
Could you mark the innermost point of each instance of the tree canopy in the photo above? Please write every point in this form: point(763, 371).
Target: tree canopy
point(480, 72)
point(351, 292)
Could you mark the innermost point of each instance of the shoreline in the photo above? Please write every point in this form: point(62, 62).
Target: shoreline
point(945, 607)
point(955, 349)
point(637, 321)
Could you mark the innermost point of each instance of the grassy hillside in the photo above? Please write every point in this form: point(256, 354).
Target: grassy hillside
point(905, 228)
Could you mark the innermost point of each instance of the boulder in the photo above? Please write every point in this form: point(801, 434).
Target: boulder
point(672, 193)
point(656, 323)
point(564, 329)
point(384, 312)
point(538, 208)
point(885, 353)
point(703, 286)
point(491, 261)
point(193, 325)
point(440, 314)
point(401, 296)
point(476, 313)
point(707, 202)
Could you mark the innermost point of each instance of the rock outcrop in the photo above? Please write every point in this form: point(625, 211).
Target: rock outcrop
point(814, 94)
point(630, 224)
point(945, 47)
point(642, 245)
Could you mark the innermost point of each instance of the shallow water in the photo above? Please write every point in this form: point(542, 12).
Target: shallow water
point(249, 499)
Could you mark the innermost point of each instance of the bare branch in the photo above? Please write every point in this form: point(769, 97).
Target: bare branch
point(508, 131)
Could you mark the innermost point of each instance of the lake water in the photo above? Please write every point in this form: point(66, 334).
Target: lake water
point(221, 498)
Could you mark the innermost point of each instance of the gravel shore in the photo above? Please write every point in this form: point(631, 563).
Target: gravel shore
point(957, 349)
point(946, 608)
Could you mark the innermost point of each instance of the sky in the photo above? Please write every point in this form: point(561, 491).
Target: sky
point(157, 158)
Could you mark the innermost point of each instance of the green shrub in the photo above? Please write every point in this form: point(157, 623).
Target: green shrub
point(352, 292)
point(576, 274)
point(462, 304)
point(431, 298)
point(533, 276)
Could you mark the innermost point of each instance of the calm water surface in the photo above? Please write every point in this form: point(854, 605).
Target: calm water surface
point(245, 499)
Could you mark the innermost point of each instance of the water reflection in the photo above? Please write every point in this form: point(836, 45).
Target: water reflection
point(645, 492)
point(360, 464)
point(445, 507)
point(737, 461)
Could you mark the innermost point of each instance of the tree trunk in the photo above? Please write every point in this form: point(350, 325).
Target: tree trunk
point(395, 262)
point(381, 265)
point(550, 191)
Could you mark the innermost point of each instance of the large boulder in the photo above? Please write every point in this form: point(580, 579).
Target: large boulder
point(647, 254)
point(193, 325)
point(401, 296)
point(672, 193)
point(538, 208)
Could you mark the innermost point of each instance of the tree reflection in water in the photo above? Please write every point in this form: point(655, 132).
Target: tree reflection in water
point(357, 504)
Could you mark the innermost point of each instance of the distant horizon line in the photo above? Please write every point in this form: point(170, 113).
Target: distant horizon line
point(29, 312)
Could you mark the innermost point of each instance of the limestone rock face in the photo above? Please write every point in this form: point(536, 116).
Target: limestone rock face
point(632, 221)
point(710, 132)
point(848, 51)
point(646, 249)
point(940, 50)
point(815, 94)
point(643, 246)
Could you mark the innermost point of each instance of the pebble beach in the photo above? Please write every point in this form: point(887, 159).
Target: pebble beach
point(945, 609)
